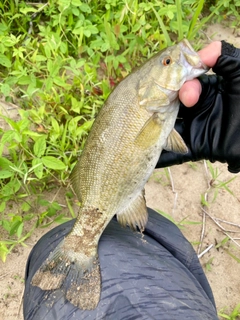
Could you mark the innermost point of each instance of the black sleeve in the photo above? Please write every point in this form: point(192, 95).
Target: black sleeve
point(152, 276)
point(211, 128)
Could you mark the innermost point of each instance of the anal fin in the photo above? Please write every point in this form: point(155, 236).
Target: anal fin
point(135, 214)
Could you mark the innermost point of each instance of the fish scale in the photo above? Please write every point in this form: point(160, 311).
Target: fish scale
point(133, 127)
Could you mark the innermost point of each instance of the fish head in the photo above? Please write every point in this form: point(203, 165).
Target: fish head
point(178, 64)
point(167, 72)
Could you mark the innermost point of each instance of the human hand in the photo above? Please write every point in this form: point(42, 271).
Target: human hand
point(211, 128)
point(191, 90)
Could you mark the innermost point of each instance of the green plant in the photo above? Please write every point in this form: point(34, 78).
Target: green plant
point(222, 243)
point(180, 224)
point(228, 9)
point(161, 177)
point(215, 185)
point(208, 264)
point(234, 315)
point(231, 249)
point(37, 212)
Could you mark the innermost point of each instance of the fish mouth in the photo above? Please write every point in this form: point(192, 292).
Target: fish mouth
point(195, 61)
point(193, 58)
point(201, 65)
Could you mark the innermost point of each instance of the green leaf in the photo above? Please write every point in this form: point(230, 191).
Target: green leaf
point(61, 83)
point(76, 105)
point(28, 217)
point(37, 165)
point(75, 12)
point(4, 174)
point(195, 18)
point(62, 219)
point(25, 207)
point(6, 225)
point(166, 215)
point(233, 256)
point(105, 46)
point(5, 89)
point(76, 3)
point(5, 163)
point(40, 58)
point(25, 80)
point(85, 8)
point(55, 125)
point(8, 136)
point(136, 27)
point(40, 147)
point(87, 125)
point(87, 33)
point(31, 133)
point(78, 31)
point(12, 123)
point(222, 243)
point(14, 227)
point(92, 29)
point(179, 19)
point(4, 61)
point(10, 188)
point(19, 230)
point(53, 163)
point(163, 27)
point(2, 206)
point(48, 84)
point(26, 10)
point(3, 251)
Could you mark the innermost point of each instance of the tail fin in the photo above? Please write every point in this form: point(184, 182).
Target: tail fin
point(75, 272)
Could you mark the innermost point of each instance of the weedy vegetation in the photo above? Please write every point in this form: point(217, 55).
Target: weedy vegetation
point(234, 315)
point(229, 229)
point(208, 264)
point(59, 60)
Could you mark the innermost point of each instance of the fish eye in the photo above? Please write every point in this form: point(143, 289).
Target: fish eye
point(166, 61)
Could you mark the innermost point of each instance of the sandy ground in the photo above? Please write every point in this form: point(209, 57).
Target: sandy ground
point(180, 199)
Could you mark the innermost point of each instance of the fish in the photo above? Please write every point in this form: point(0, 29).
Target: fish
point(122, 149)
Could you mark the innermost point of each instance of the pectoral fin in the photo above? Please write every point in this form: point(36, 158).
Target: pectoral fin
point(175, 143)
point(149, 134)
point(150, 95)
point(134, 215)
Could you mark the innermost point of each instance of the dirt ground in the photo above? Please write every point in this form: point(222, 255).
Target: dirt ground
point(177, 193)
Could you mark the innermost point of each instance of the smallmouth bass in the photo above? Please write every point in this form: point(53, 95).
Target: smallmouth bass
point(133, 127)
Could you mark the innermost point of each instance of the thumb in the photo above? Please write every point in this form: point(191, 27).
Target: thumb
point(190, 92)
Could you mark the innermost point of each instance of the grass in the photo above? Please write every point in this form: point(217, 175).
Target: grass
point(233, 315)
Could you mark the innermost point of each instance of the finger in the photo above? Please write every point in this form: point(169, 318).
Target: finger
point(190, 92)
point(210, 54)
